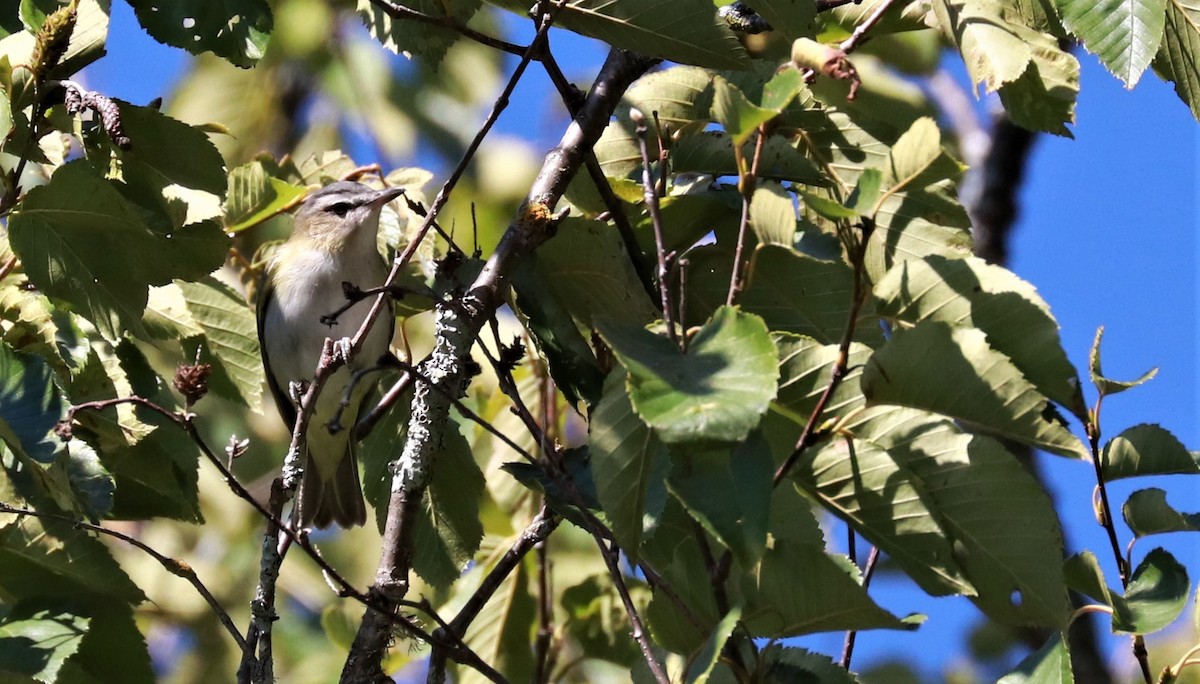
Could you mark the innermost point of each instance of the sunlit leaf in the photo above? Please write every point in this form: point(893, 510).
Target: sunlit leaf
point(237, 30)
point(974, 382)
point(1146, 450)
point(1106, 386)
point(1147, 512)
point(630, 465)
point(1124, 34)
point(1179, 52)
point(1156, 595)
point(716, 392)
point(230, 338)
point(1050, 664)
point(36, 646)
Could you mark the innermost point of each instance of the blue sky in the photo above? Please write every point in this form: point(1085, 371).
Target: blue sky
point(1108, 234)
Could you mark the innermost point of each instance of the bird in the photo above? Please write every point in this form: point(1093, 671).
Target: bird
point(333, 242)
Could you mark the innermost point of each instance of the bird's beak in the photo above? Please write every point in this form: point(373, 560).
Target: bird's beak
point(384, 196)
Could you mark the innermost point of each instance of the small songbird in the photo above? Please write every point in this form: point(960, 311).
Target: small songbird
point(333, 241)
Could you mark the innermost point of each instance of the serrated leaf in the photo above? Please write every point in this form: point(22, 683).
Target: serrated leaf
point(888, 504)
point(1179, 53)
point(783, 665)
point(917, 160)
point(1050, 664)
point(1043, 98)
point(772, 214)
point(1156, 595)
point(56, 560)
point(798, 588)
point(30, 405)
point(717, 392)
point(570, 359)
point(1124, 34)
point(684, 31)
point(1147, 512)
point(970, 292)
point(37, 646)
point(587, 267)
point(975, 383)
point(728, 492)
point(236, 30)
point(738, 115)
point(230, 338)
point(629, 463)
point(1104, 385)
point(417, 38)
point(702, 665)
point(1007, 536)
point(107, 282)
point(994, 49)
point(711, 152)
point(253, 196)
point(1146, 449)
point(449, 531)
point(500, 635)
point(792, 292)
point(805, 370)
point(157, 476)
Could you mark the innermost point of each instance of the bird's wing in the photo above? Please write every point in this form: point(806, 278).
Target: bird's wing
point(283, 401)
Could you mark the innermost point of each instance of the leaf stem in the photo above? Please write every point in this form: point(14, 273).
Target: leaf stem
point(747, 183)
point(650, 193)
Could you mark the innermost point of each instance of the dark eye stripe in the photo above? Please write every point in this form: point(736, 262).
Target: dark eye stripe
point(340, 208)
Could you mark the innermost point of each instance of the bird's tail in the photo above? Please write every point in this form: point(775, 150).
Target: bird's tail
point(336, 500)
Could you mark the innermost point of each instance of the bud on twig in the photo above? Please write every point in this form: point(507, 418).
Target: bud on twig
point(192, 382)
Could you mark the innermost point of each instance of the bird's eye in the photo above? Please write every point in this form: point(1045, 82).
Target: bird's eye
point(341, 208)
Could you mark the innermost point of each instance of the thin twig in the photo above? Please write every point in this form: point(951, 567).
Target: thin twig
point(173, 566)
point(651, 195)
point(852, 635)
point(747, 183)
point(841, 364)
point(407, 14)
point(8, 265)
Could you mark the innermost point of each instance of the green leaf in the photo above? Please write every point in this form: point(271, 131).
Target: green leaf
point(1124, 34)
point(884, 500)
point(1104, 385)
point(797, 588)
point(866, 191)
point(111, 645)
point(157, 476)
point(588, 269)
point(789, 19)
point(1179, 52)
point(783, 665)
point(685, 31)
point(805, 369)
point(1147, 512)
point(974, 383)
point(738, 115)
point(449, 531)
point(170, 167)
point(729, 492)
point(917, 160)
point(54, 560)
point(408, 37)
point(229, 340)
point(1005, 531)
point(711, 152)
point(500, 635)
point(1156, 595)
point(1146, 449)
point(572, 363)
point(1043, 98)
point(107, 282)
point(792, 292)
point(772, 214)
point(253, 196)
point(597, 621)
point(1050, 664)
point(236, 30)
point(563, 503)
point(717, 392)
point(970, 292)
point(995, 50)
point(37, 646)
point(30, 405)
point(702, 665)
point(681, 96)
point(629, 464)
